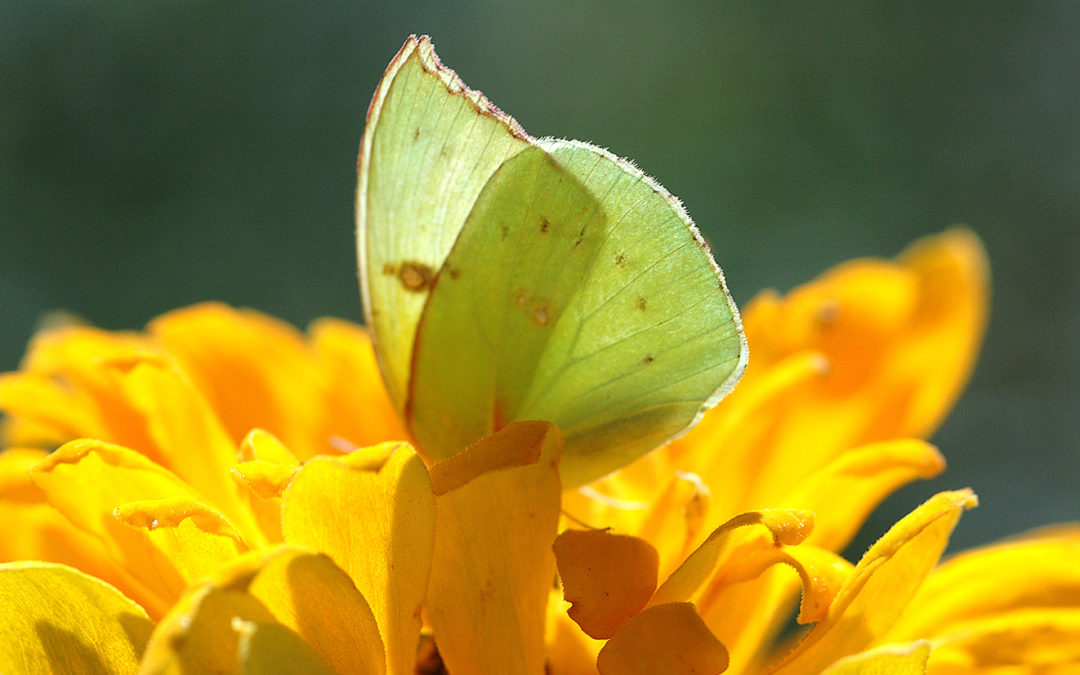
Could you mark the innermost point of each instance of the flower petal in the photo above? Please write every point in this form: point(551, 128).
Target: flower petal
point(263, 484)
point(182, 534)
point(881, 586)
point(228, 352)
point(312, 596)
point(177, 419)
point(117, 494)
point(608, 577)
point(1036, 640)
point(498, 504)
point(843, 493)
point(199, 634)
point(357, 408)
point(787, 526)
point(373, 513)
point(1041, 571)
point(669, 638)
point(57, 619)
point(902, 659)
point(270, 648)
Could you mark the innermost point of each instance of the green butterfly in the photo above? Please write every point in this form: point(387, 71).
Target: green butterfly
point(509, 278)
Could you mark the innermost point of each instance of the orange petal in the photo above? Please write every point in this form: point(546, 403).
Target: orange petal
point(253, 370)
point(669, 638)
point(356, 407)
point(498, 505)
point(947, 330)
point(177, 419)
point(57, 619)
point(881, 586)
point(608, 577)
point(373, 513)
point(43, 412)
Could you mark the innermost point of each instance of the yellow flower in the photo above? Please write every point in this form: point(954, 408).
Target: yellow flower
point(229, 495)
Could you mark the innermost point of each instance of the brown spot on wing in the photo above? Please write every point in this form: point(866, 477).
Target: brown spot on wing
point(414, 276)
point(541, 314)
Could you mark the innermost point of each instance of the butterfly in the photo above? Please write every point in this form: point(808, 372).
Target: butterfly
point(510, 278)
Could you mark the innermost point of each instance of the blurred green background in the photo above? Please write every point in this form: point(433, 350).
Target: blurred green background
point(156, 154)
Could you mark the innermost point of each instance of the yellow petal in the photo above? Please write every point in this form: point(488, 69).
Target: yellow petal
point(357, 409)
point(902, 659)
point(270, 648)
point(1035, 572)
point(373, 513)
point(608, 577)
point(57, 619)
point(199, 634)
point(178, 420)
point(745, 436)
point(312, 596)
point(1034, 640)
point(254, 370)
point(787, 526)
point(263, 485)
point(224, 623)
point(43, 412)
point(821, 572)
point(261, 445)
point(881, 586)
point(498, 505)
point(669, 638)
point(844, 492)
point(183, 535)
point(34, 530)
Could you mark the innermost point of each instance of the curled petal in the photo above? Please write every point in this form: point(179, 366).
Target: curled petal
point(784, 526)
point(881, 585)
point(181, 535)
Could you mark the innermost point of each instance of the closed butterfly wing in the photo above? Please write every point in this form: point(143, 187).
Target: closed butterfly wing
point(578, 292)
point(430, 145)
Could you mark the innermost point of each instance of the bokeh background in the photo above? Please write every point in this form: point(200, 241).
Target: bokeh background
point(155, 154)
